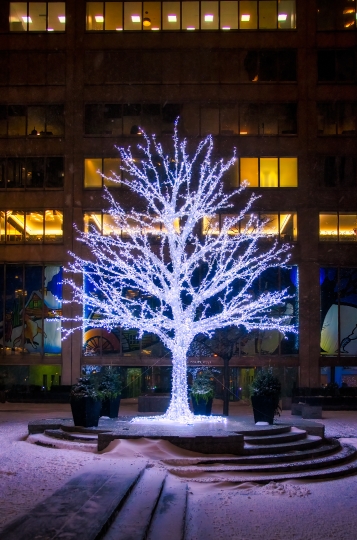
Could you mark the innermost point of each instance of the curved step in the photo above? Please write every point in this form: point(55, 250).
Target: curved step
point(263, 430)
point(310, 441)
point(346, 454)
point(71, 436)
point(50, 442)
point(332, 469)
point(329, 447)
point(294, 434)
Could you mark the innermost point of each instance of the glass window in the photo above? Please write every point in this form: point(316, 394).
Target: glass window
point(3, 120)
point(190, 119)
point(287, 65)
point(170, 113)
point(132, 15)
point(92, 173)
point(54, 172)
point(347, 227)
point(209, 15)
point(268, 172)
point(16, 173)
point(34, 227)
point(229, 119)
point(18, 16)
point(286, 14)
point(288, 227)
point(53, 226)
point(112, 119)
point(37, 16)
point(93, 119)
point(93, 221)
point(95, 16)
point(267, 14)
point(268, 66)
point(248, 17)
point(110, 166)
point(2, 173)
point(210, 120)
point(249, 170)
point(36, 120)
point(16, 120)
point(171, 19)
point(54, 120)
point(288, 173)
point(269, 118)
point(231, 177)
point(229, 15)
point(249, 119)
point(114, 16)
point(190, 15)
point(271, 226)
point(328, 226)
point(131, 119)
point(326, 69)
point(35, 176)
point(152, 16)
point(15, 226)
point(2, 226)
point(287, 119)
point(151, 118)
point(210, 225)
point(346, 120)
point(56, 16)
point(326, 118)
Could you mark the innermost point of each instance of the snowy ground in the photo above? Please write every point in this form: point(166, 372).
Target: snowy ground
point(297, 510)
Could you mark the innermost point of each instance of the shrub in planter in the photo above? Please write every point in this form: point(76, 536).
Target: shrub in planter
point(85, 403)
point(265, 395)
point(202, 393)
point(110, 391)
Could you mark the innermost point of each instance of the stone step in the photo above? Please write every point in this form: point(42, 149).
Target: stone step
point(80, 509)
point(310, 441)
point(73, 436)
point(50, 442)
point(170, 512)
point(329, 447)
point(133, 520)
point(294, 434)
point(346, 454)
point(265, 430)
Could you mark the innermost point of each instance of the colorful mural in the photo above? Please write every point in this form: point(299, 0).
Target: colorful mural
point(30, 309)
point(338, 311)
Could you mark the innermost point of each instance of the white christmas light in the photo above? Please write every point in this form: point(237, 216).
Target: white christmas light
point(178, 191)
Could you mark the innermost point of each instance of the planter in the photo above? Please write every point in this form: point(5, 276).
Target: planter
point(264, 408)
point(85, 411)
point(201, 406)
point(110, 407)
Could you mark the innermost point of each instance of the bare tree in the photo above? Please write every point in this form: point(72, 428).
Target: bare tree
point(188, 282)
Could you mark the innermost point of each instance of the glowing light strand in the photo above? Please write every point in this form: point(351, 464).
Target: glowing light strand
point(176, 189)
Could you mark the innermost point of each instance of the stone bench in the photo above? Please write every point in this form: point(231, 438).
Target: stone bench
point(311, 412)
point(153, 403)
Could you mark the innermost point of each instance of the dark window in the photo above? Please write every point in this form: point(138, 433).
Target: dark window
point(16, 173)
point(35, 173)
point(54, 172)
point(326, 69)
point(336, 171)
point(287, 65)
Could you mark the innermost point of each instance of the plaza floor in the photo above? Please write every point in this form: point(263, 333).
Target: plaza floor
point(298, 510)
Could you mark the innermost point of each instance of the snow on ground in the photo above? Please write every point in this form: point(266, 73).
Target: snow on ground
point(298, 510)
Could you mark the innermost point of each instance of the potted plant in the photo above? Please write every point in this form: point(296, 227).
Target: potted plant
point(110, 391)
point(265, 395)
point(85, 403)
point(202, 393)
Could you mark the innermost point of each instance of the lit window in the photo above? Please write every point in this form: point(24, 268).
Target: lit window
point(335, 226)
point(37, 16)
point(269, 172)
point(282, 226)
point(33, 226)
point(98, 171)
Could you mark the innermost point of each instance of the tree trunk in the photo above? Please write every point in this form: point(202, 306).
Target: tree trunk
point(225, 386)
point(179, 408)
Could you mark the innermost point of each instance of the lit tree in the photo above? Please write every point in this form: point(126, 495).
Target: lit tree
point(189, 282)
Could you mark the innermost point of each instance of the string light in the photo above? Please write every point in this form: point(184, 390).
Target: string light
point(171, 303)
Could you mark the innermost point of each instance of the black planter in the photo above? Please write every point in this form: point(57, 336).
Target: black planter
point(110, 407)
point(264, 408)
point(202, 407)
point(85, 411)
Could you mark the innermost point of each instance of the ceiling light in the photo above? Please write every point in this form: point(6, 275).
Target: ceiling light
point(350, 10)
point(118, 29)
point(155, 28)
point(27, 19)
point(62, 19)
point(99, 18)
point(245, 18)
point(135, 18)
point(190, 28)
point(172, 18)
point(50, 30)
point(146, 21)
point(226, 27)
point(282, 16)
point(208, 18)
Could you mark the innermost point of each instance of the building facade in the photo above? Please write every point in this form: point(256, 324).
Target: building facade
point(276, 79)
